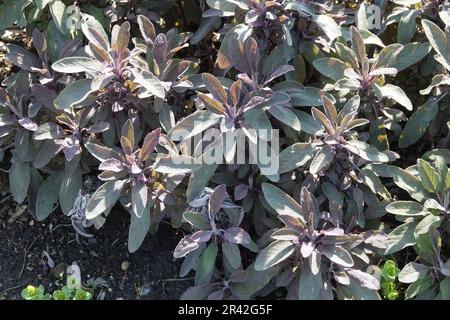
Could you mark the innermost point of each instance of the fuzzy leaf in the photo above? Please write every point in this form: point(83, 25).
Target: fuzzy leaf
point(273, 254)
point(104, 198)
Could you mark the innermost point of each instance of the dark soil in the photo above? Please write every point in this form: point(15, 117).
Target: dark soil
point(152, 272)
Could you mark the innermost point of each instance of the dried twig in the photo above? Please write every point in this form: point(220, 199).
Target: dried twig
point(25, 255)
point(178, 279)
point(12, 288)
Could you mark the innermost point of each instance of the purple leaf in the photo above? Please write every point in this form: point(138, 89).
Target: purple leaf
point(98, 127)
point(237, 235)
point(238, 276)
point(365, 279)
point(147, 29)
point(216, 295)
point(240, 191)
point(252, 54)
point(43, 95)
point(160, 49)
point(214, 86)
point(307, 248)
point(281, 70)
point(149, 145)
point(113, 165)
point(28, 124)
point(71, 147)
point(217, 198)
point(191, 242)
point(48, 130)
point(120, 37)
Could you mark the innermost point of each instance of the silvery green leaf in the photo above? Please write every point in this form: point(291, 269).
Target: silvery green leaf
point(94, 32)
point(279, 56)
point(407, 26)
point(383, 71)
point(418, 287)
point(295, 156)
point(322, 159)
point(355, 291)
point(227, 8)
point(418, 123)
point(408, 182)
point(19, 180)
point(138, 229)
point(104, 198)
point(22, 143)
point(337, 255)
point(74, 94)
point(197, 220)
point(71, 186)
point(328, 25)
point(310, 285)
point(438, 40)
point(206, 265)
point(346, 54)
point(190, 260)
point(193, 124)
point(374, 183)
point(12, 12)
point(151, 85)
point(77, 64)
point(331, 67)
point(444, 14)
point(282, 203)
point(48, 131)
point(139, 197)
point(428, 175)
point(411, 54)
point(332, 193)
point(57, 9)
point(301, 7)
point(199, 179)
point(241, 32)
point(433, 205)
point(445, 288)
point(309, 97)
point(258, 119)
point(401, 237)
point(255, 281)
point(347, 84)
point(368, 37)
point(232, 254)
point(430, 221)
point(237, 235)
point(412, 272)
point(176, 164)
point(273, 254)
point(286, 116)
point(365, 279)
point(388, 55)
point(438, 80)
point(393, 92)
point(366, 151)
point(47, 195)
point(407, 208)
point(102, 153)
point(307, 123)
point(191, 242)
